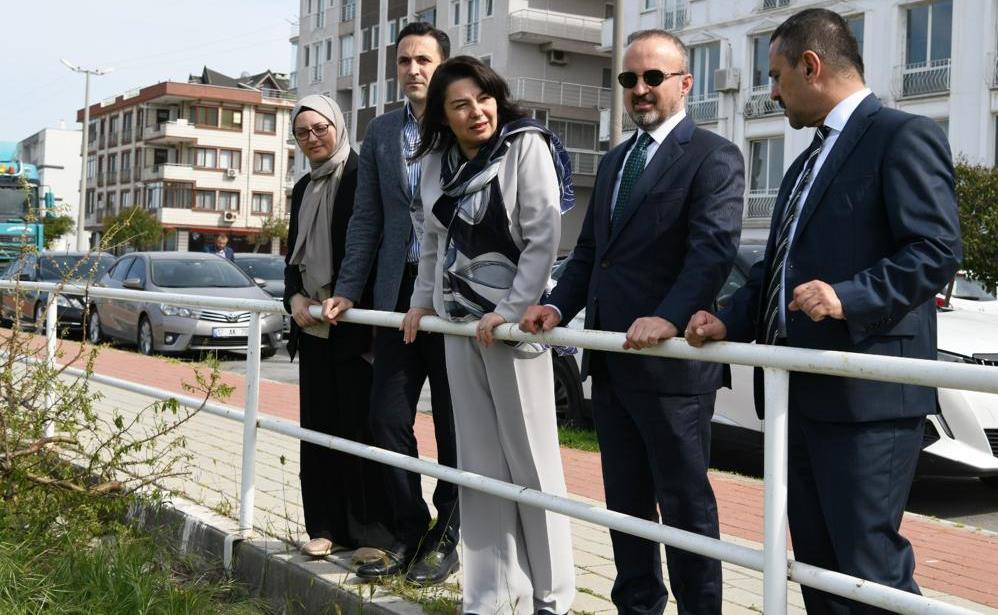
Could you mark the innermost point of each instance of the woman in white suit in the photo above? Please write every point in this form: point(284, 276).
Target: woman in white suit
point(493, 188)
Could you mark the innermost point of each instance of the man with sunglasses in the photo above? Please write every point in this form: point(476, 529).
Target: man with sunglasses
point(658, 242)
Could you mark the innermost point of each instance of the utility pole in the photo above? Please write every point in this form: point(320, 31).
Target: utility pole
point(81, 209)
point(617, 67)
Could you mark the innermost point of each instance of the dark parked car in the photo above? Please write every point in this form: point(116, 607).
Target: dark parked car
point(266, 267)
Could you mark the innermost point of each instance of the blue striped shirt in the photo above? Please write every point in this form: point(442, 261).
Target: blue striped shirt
point(414, 169)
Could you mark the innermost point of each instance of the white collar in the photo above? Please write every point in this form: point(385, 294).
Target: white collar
point(840, 113)
point(663, 130)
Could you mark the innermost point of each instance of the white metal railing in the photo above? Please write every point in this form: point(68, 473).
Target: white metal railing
point(676, 17)
point(777, 363)
point(584, 162)
point(559, 25)
point(345, 67)
point(348, 10)
point(760, 103)
point(561, 93)
point(774, 4)
point(703, 108)
point(316, 73)
point(760, 204)
point(921, 78)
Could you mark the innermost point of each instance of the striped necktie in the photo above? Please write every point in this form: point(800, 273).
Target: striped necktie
point(632, 170)
point(775, 286)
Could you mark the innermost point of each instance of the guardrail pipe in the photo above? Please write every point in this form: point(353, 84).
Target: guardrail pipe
point(247, 485)
point(774, 588)
point(51, 313)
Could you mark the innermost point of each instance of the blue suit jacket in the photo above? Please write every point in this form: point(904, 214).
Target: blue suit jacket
point(667, 257)
point(880, 225)
point(229, 254)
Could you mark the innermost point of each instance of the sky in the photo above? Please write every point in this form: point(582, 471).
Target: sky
point(145, 41)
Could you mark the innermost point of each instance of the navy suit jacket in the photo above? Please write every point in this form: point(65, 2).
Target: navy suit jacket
point(880, 225)
point(668, 256)
point(229, 254)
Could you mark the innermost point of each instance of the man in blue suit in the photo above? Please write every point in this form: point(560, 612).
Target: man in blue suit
point(221, 247)
point(864, 234)
point(657, 243)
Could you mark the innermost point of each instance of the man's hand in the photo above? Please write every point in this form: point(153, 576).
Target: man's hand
point(410, 324)
point(299, 310)
point(486, 326)
point(648, 331)
point(703, 327)
point(818, 300)
point(334, 307)
point(539, 318)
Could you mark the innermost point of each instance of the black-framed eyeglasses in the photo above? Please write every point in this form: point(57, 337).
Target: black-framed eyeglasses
point(652, 78)
point(319, 130)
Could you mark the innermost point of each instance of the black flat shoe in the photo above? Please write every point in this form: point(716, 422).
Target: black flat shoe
point(394, 561)
point(434, 566)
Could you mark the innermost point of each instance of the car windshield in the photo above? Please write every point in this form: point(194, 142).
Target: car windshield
point(211, 272)
point(971, 290)
point(73, 267)
point(264, 267)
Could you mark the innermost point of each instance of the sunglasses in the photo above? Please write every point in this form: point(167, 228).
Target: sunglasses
point(319, 130)
point(651, 78)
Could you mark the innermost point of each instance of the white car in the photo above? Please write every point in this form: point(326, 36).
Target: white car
point(962, 440)
point(969, 295)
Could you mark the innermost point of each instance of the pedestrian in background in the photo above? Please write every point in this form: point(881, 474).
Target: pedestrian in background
point(221, 247)
point(864, 234)
point(342, 495)
point(493, 187)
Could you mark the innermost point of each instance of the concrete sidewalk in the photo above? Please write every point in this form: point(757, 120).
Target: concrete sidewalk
point(956, 564)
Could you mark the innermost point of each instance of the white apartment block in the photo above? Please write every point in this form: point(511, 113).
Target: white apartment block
point(213, 155)
point(934, 58)
point(549, 51)
point(56, 153)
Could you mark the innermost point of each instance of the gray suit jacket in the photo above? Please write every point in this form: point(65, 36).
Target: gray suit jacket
point(381, 223)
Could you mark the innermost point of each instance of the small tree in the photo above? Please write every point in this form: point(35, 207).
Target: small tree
point(273, 228)
point(977, 197)
point(56, 227)
point(134, 226)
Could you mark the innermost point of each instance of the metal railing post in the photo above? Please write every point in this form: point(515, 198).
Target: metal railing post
point(247, 485)
point(774, 589)
point(51, 312)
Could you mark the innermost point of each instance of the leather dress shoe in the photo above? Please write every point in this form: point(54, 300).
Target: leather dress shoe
point(433, 566)
point(394, 561)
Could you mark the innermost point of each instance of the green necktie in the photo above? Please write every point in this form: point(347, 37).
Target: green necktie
point(632, 170)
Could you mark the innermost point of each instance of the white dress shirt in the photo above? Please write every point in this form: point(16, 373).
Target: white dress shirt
point(657, 137)
point(835, 120)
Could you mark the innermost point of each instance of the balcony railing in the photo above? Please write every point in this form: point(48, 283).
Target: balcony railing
point(125, 176)
point(760, 103)
point(316, 73)
point(584, 162)
point(552, 24)
point(277, 94)
point(126, 137)
point(346, 67)
point(676, 18)
point(169, 171)
point(112, 178)
point(759, 204)
point(348, 11)
point(470, 33)
point(112, 139)
point(921, 78)
point(101, 141)
point(178, 130)
point(562, 93)
point(101, 179)
point(703, 109)
point(774, 4)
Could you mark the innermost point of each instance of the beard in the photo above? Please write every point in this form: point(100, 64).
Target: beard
point(653, 118)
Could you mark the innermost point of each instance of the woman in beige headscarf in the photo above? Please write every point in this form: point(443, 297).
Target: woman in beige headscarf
point(342, 495)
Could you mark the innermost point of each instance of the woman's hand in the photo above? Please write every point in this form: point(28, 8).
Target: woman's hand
point(410, 324)
point(299, 310)
point(486, 326)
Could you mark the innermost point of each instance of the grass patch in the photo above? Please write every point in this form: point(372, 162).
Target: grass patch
point(578, 438)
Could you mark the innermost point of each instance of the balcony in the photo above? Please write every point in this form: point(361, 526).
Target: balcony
point(112, 178)
point(125, 176)
point(346, 67)
point(561, 93)
point(923, 78)
point(169, 171)
point(101, 179)
point(278, 94)
point(768, 5)
point(101, 141)
point(112, 139)
point(175, 131)
point(676, 17)
point(316, 73)
point(92, 143)
point(539, 27)
point(471, 33)
point(126, 137)
point(584, 162)
point(348, 10)
point(759, 204)
point(760, 104)
point(703, 109)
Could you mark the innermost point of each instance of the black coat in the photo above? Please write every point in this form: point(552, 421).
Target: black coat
point(348, 339)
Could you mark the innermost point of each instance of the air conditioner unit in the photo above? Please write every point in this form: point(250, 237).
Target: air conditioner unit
point(726, 79)
point(230, 173)
point(557, 57)
point(229, 216)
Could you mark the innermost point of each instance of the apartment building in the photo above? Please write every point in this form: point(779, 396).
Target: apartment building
point(209, 156)
point(56, 153)
point(934, 58)
point(548, 51)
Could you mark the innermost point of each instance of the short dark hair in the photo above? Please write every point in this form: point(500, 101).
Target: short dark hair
point(641, 35)
point(434, 134)
point(822, 31)
point(421, 28)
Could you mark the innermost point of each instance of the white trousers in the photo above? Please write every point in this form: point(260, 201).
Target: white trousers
point(516, 558)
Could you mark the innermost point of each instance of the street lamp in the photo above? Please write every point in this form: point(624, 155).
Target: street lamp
point(80, 220)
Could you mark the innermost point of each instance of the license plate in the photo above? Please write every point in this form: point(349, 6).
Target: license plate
point(228, 332)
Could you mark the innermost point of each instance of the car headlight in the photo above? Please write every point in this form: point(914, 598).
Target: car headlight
point(177, 310)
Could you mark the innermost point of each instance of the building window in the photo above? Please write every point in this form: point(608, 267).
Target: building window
point(177, 195)
point(472, 28)
point(232, 119)
point(375, 36)
point(429, 16)
point(856, 23)
point(228, 201)
point(373, 92)
point(703, 99)
point(205, 158)
point(329, 50)
point(455, 12)
point(263, 162)
point(675, 15)
point(112, 199)
point(124, 199)
point(204, 199)
point(317, 66)
point(205, 116)
point(389, 90)
point(230, 159)
point(362, 103)
point(774, 4)
point(346, 55)
point(266, 122)
point(928, 46)
point(486, 60)
point(649, 5)
point(393, 32)
point(765, 173)
point(320, 18)
point(262, 203)
point(348, 10)
point(760, 61)
point(575, 134)
point(365, 40)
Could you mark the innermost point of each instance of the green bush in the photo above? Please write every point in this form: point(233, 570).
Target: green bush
point(977, 197)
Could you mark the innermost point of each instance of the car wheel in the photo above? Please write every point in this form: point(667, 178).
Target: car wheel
point(144, 337)
point(94, 334)
point(267, 353)
point(569, 401)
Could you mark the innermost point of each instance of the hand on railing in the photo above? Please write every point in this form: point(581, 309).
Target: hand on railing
point(539, 318)
point(299, 310)
point(334, 307)
point(703, 327)
point(410, 324)
point(649, 331)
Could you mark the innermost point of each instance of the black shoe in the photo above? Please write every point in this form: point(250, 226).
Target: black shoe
point(434, 565)
point(395, 561)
